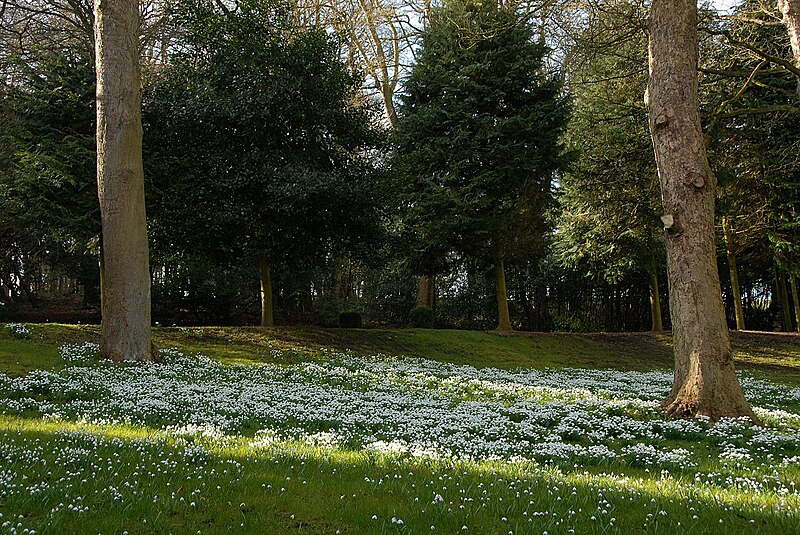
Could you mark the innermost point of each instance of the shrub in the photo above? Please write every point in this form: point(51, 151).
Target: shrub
point(350, 319)
point(421, 317)
point(574, 324)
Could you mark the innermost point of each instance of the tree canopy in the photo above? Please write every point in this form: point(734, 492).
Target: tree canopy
point(478, 137)
point(269, 134)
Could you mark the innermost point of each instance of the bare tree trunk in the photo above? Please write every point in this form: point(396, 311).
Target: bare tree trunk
point(385, 82)
point(504, 323)
point(423, 291)
point(783, 299)
point(705, 382)
point(791, 18)
point(102, 277)
point(655, 304)
point(125, 331)
point(796, 299)
point(734, 271)
point(27, 289)
point(267, 319)
point(426, 291)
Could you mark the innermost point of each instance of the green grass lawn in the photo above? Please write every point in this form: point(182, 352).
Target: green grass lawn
point(770, 355)
point(302, 430)
point(294, 488)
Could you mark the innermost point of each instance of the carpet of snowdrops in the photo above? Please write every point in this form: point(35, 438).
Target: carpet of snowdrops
point(415, 446)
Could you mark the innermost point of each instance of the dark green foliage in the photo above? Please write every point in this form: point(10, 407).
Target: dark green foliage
point(751, 119)
point(421, 317)
point(384, 293)
point(466, 297)
point(49, 213)
point(760, 179)
point(48, 136)
point(478, 138)
point(259, 141)
point(609, 223)
point(194, 291)
point(350, 319)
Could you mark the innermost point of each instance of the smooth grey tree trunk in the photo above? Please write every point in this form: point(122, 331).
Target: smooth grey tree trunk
point(125, 331)
point(705, 382)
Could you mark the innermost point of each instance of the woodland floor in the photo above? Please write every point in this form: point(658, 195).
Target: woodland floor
point(302, 430)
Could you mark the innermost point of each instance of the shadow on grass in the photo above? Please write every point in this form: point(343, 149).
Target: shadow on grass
point(773, 356)
point(166, 484)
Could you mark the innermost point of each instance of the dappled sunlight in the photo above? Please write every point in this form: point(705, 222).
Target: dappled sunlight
point(62, 473)
point(456, 410)
point(591, 429)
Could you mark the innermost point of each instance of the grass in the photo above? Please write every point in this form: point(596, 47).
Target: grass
point(294, 488)
point(768, 355)
point(62, 474)
point(20, 356)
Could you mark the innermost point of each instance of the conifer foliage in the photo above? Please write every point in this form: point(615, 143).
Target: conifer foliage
point(479, 138)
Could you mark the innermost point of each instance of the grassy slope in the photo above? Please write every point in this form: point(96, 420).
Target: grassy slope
point(332, 492)
point(18, 357)
point(770, 355)
point(294, 488)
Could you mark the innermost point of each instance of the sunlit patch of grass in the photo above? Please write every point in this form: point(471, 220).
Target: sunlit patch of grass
point(230, 345)
point(117, 477)
point(18, 357)
point(773, 356)
point(137, 448)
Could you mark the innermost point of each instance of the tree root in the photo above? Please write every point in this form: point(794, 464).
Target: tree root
point(679, 408)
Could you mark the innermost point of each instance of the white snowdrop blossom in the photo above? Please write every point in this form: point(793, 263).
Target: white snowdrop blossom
point(399, 406)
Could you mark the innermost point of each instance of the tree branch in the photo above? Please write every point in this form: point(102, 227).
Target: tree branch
point(786, 64)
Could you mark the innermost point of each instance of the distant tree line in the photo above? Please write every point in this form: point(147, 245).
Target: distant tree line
point(492, 163)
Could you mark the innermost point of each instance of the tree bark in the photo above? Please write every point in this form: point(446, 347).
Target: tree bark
point(655, 304)
point(796, 299)
point(125, 330)
point(504, 318)
point(783, 299)
point(422, 291)
point(734, 271)
point(385, 83)
point(426, 290)
point(705, 382)
point(267, 319)
point(791, 18)
point(102, 278)
point(27, 289)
